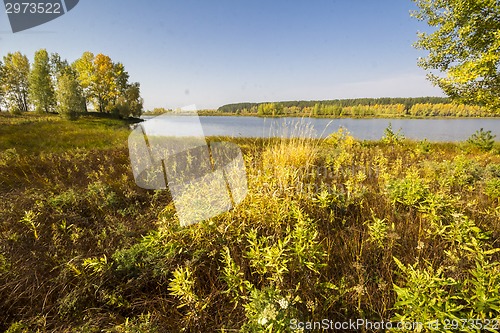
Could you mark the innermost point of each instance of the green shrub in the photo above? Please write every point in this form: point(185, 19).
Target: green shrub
point(392, 137)
point(17, 327)
point(269, 311)
point(411, 191)
point(297, 251)
point(4, 264)
point(141, 324)
point(30, 220)
point(493, 188)
point(458, 175)
point(465, 285)
point(483, 140)
point(150, 255)
point(8, 155)
point(64, 200)
point(377, 231)
point(101, 195)
point(424, 146)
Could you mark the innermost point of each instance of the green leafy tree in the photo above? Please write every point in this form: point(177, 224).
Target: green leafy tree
point(104, 83)
point(59, 66)
point(266, 109)
point(134, 99)
point(316, 109)
point(465, 46)
point(121, 77)
point(15, 81)
point(69, 96)
point(482, 139)
point(85, 69)
point(41, 87)
point(130, 103)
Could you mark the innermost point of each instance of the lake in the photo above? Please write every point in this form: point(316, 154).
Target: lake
point(458, 129)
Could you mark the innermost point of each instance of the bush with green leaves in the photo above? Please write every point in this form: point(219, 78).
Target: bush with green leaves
point(269, 311)
point(392, 137)
point(409, 191)
point(378, 231)
point(483, 140)
point(465, 285)
point(493, 188)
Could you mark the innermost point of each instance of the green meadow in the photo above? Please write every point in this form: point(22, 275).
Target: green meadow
point(335, 228)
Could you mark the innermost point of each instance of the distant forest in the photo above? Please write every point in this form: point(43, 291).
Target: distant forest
point(360, 107)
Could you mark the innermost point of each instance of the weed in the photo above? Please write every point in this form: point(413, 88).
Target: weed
point(493, 188)
point(435, 296)
point(29, 219)
point(269, 311)
point(377, 231)
point(392, 137)
point(409, 191)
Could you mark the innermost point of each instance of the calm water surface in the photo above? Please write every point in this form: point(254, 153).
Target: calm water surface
point(365, 129)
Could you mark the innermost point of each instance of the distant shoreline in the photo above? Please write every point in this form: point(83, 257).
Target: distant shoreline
point(357, 108)
point(220, 114)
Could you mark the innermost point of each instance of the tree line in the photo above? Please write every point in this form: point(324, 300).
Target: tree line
point(52, 84)
point(300, 105)
point(361, 107)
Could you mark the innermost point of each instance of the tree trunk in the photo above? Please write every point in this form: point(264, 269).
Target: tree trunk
point(25, 103)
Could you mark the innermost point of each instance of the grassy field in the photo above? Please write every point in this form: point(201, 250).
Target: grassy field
point(332, 229)
point(32, 133)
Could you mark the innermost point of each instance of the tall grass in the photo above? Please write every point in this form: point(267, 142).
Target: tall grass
point(335, 228)
point(30, 133)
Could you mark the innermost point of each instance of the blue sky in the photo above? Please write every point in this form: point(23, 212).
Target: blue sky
point(210, 53)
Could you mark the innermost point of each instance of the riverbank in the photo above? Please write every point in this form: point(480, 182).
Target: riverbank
point(332, 228)
point(380, 116)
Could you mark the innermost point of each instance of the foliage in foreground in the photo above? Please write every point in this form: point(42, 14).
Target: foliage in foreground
point(336, 228)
